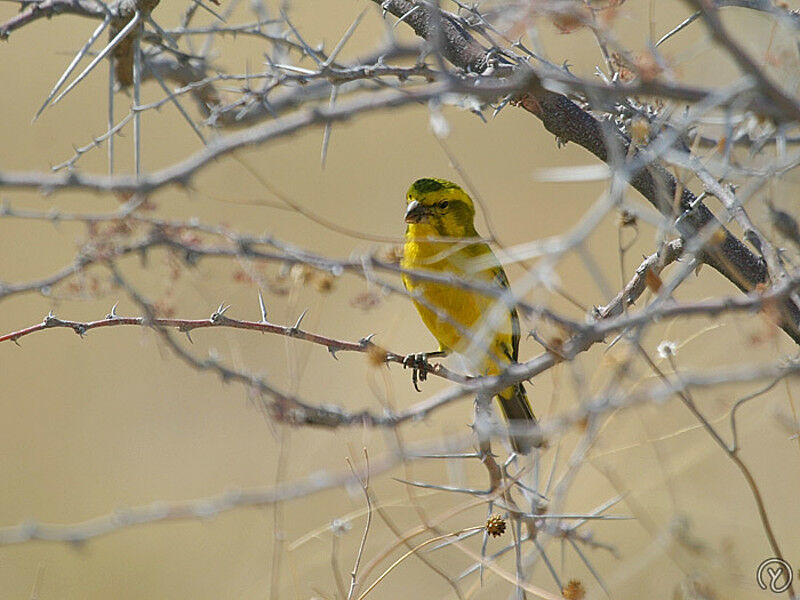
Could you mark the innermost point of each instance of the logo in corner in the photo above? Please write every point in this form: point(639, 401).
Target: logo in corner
point(774, 575)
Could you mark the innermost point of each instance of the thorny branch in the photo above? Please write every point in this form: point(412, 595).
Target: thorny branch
point(220, 319)
point(33, 10)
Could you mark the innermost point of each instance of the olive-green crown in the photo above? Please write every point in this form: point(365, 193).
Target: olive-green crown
point(428, 185)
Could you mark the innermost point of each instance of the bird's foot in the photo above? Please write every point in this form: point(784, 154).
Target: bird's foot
point(419, 365)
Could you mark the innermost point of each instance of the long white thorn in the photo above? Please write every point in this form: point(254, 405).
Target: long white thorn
point(263, 307)
point(81, 53)
point(345, 38)
point(103, 53)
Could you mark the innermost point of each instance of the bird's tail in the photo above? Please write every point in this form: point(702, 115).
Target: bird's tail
point(519, 414)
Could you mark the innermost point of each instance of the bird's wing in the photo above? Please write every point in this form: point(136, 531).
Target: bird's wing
point(495, 273)
point(500, 278)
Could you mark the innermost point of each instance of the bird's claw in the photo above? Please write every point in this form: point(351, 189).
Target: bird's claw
point(419, 365)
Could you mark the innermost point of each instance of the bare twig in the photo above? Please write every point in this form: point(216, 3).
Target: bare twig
point(364, 482)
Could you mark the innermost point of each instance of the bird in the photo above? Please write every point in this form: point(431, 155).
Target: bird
point(441, 238)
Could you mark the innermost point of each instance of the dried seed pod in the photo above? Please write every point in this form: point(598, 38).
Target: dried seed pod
point(574, 590)
point(495, 525)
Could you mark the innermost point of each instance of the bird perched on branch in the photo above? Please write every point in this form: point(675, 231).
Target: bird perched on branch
point(483, 328)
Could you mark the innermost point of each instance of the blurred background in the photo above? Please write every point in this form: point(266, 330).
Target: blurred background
point(113, 420)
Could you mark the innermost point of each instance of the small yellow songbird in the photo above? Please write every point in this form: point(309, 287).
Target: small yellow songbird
point(481, 328)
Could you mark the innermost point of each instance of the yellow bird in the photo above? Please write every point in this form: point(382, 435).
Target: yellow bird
point(481, 328)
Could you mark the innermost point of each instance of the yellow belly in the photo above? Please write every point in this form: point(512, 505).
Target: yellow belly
point(464, 321)
point(451, 315)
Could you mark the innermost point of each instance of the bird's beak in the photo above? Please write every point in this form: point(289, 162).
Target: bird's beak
point(415, 212)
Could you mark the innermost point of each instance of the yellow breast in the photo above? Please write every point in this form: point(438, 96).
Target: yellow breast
point(456, 317)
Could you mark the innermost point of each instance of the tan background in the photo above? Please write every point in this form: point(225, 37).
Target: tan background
point(114, 420)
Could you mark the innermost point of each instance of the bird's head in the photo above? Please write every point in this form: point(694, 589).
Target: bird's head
point(441, 208)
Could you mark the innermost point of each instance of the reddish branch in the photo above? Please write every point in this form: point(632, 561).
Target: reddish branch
point(218, 319)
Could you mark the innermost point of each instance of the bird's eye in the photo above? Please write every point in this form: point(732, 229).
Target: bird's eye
point(444, 204)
